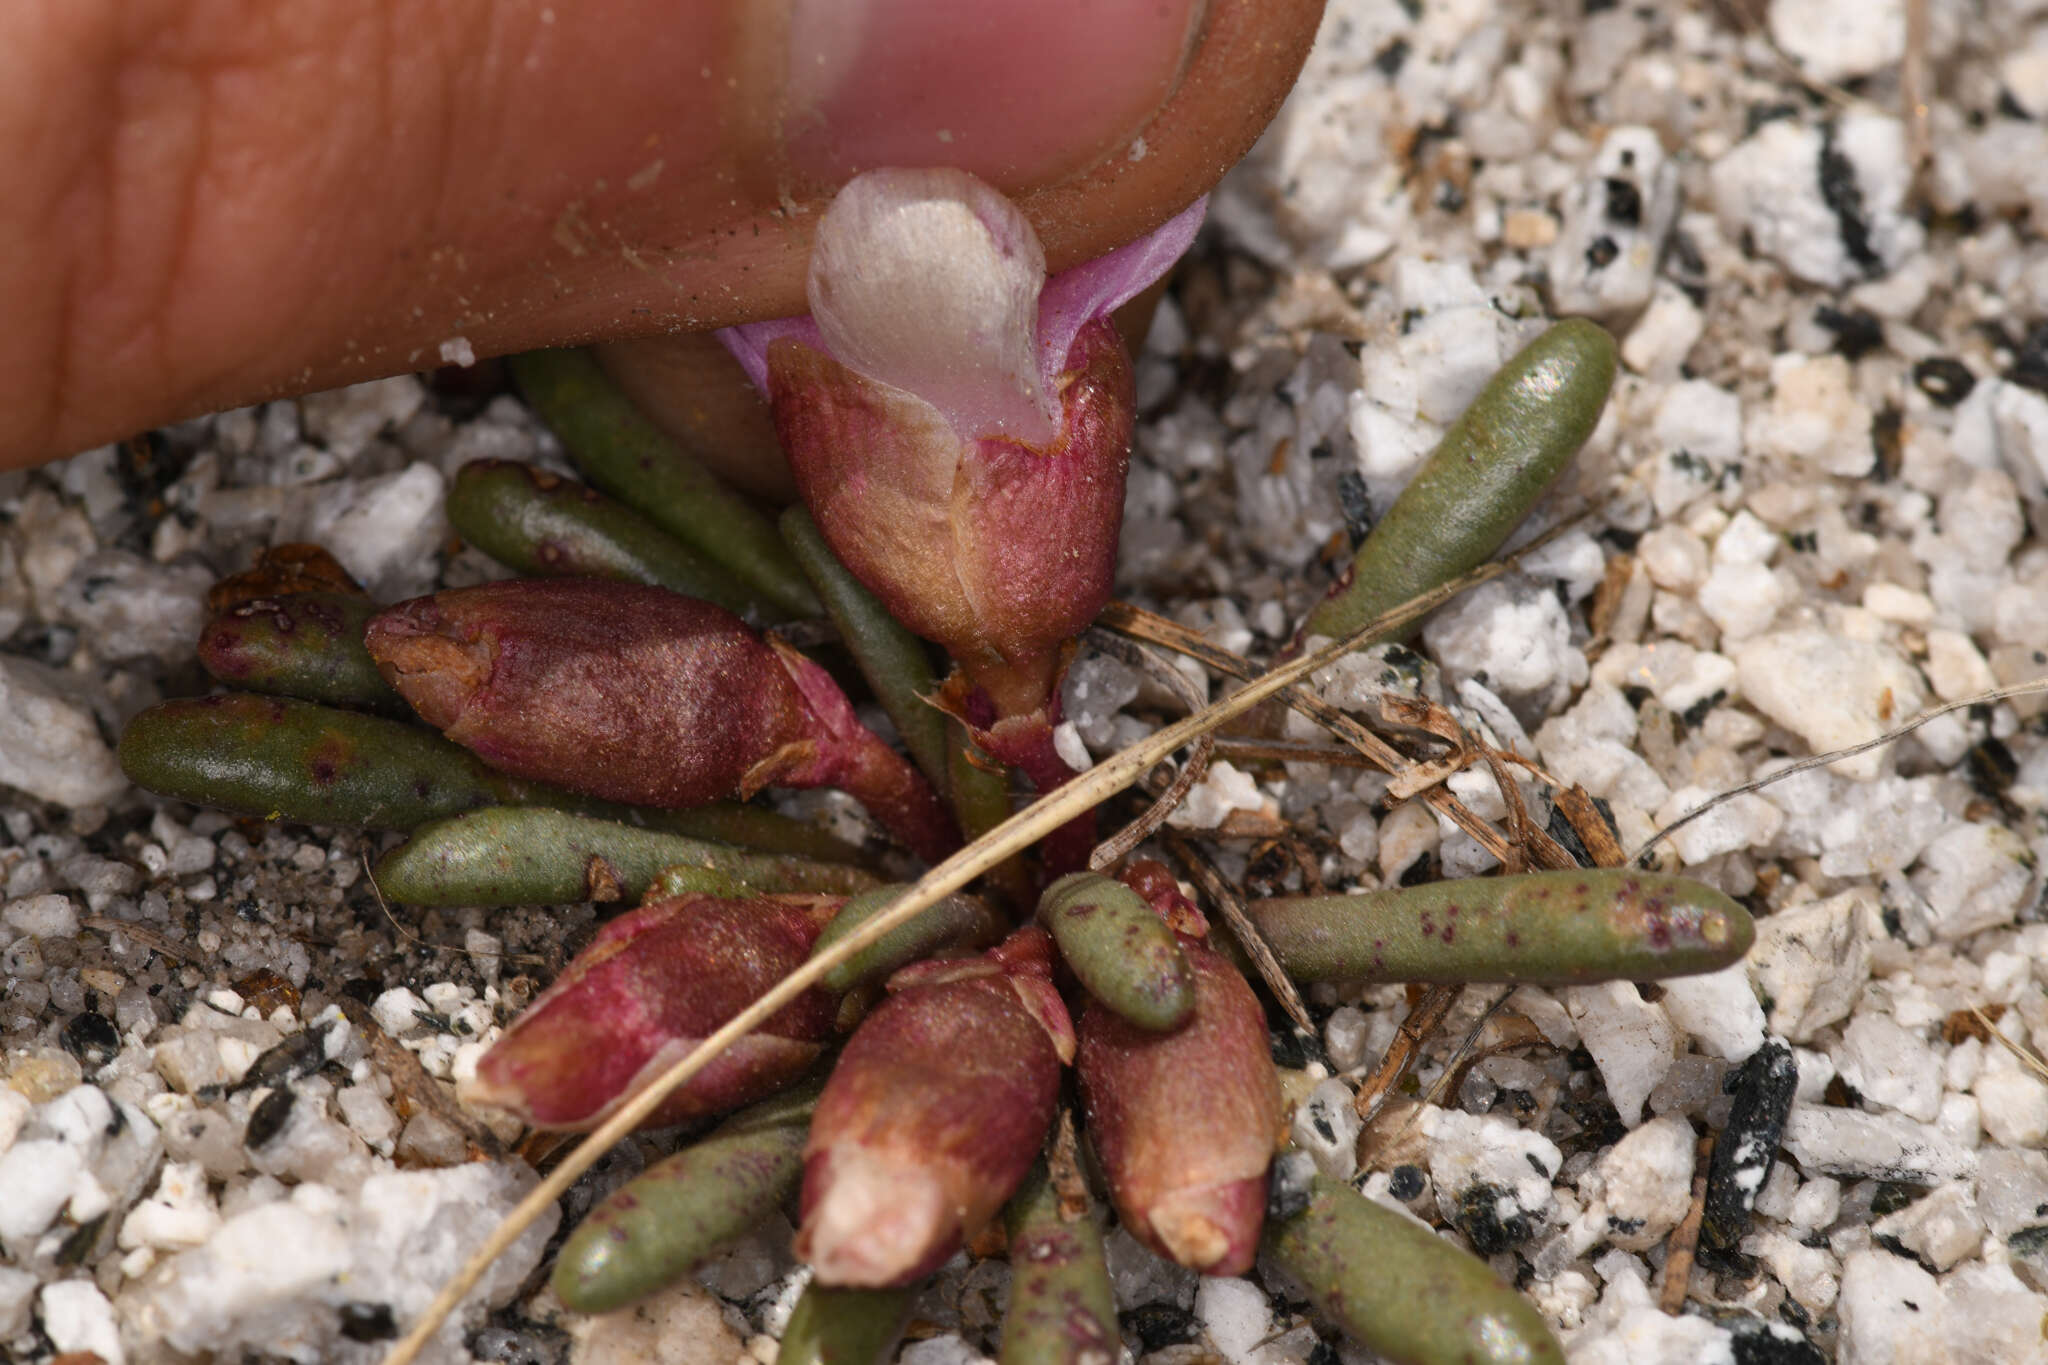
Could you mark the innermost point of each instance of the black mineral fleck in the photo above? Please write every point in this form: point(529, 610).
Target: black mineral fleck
point(1944, 379)
point(1356, 505)
point(1748, 1146)
point(1757, 1342)
point(368, 1322)
point(92, 1038)
point(269, 1117)
point(1624, 202)
point(1156, 1326)
point(1857, 332)
point(1479, 1218)
point(1841, 192)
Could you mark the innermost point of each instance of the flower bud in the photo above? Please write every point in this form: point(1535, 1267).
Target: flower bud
point(638, 694)
point(1184, 1123)
point(959, 426)
point(652, 985)
point(932, 1117)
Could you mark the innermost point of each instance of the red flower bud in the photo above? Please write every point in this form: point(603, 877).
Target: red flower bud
point(652, 985)
point(1184, 1123)
point(641, 695)
point(999, 550)
point(958, 425)
point(933, 1115)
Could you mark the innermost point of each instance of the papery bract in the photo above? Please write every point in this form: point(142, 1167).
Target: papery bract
point(652, 985)
point(642, 695)
point(934, 1113)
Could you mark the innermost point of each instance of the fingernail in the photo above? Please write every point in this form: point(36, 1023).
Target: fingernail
point(1017, 91)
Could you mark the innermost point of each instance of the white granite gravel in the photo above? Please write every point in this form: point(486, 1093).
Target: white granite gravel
point(1822, 470)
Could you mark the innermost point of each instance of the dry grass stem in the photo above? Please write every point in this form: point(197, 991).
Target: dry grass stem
point(1230, 907)
point(1995, 695)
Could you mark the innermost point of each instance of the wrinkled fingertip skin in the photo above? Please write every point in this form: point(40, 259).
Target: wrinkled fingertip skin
point(1119, 948)
point(666, 1221)
point(305, 645)
point(1489, 469)
point(651, 985)
point(1572, 927)
point(536, 522)
point(1398, 1289)
point(844, 1326)
point(1183, 1123)
point(931, 1118)
point(997, 550)
point(1062, 1308)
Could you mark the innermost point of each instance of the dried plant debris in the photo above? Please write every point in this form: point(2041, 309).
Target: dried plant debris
point(228, 1119)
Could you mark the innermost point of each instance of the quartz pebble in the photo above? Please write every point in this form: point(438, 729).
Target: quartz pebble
point(273, 1276)
point(1941, 1227)
point(50, 746)
point(1235, 1315)
point(77, 1318)
point(1641, 1187)
point(1846, 1142)
point(1891, 1311)
point(1630, 1039)
point(1718, 1010)
point(1810, 963)
point(1788, 186)
point(1604, 261)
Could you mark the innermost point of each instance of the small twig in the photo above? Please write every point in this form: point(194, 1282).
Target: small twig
point(1305, 860)
point(1241, 750)
point(1143, 625)
point(1685, 1238)
point(1591, 827)
point(1231, 907)
point(1913, 92)
point(1465, 1054)
point(148, 938)
point(1469, 1054)
point(1424, 1017)
point(2028, 1057)
point(1995, 695)
point(1113, 849)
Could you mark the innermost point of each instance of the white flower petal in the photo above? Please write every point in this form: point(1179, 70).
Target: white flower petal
point(928, 280)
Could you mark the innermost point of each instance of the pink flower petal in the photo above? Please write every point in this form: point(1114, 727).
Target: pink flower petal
point(1096, 288)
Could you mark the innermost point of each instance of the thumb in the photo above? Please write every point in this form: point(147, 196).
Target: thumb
point(212, 204)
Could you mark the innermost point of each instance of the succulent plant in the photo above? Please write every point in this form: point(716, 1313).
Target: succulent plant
point(959, 427)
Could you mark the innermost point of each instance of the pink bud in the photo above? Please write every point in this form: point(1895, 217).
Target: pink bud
point(958, 425)
point(1184, 1123)
point(933, 1115)
point(641, 695)
point(651, 986)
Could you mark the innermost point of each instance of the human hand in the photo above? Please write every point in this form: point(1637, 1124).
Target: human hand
point(207, 204)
